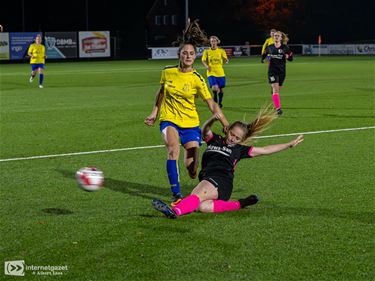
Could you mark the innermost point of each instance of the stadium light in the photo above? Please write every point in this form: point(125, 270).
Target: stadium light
point(187, 13)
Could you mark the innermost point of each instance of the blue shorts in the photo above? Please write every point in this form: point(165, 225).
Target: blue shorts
point(35, 66)
point(185, 134)
point(219, 81)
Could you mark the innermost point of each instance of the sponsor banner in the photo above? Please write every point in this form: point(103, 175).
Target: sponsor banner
point(237, 51)
point(365, 49)
point(163, 53)
point(61, 45)
point(171, 52)
point(94, 44)
point(342, 49)
point(19, 43)
point(4, 46)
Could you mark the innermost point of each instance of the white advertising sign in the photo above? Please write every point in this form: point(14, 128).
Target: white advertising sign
point(163, 53)
point(342, 49)
point(94, 44)
point(4, 46)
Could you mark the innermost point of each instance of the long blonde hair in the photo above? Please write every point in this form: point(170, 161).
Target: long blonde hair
point(264, 118)
point(284, 37)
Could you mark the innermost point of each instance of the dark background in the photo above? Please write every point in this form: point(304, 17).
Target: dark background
point(234, 21)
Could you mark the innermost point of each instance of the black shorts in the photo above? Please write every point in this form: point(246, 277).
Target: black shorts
point(276, 77)
point(224, 185)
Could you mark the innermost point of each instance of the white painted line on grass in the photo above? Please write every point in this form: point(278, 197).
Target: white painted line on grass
point(79, 153)
point(159, 146)
point(317, 132)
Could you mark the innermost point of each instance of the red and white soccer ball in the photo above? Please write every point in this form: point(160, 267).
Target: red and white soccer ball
point(90, 178)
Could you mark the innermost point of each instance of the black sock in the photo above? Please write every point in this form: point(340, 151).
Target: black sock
point(215, 96)
point(221, 95)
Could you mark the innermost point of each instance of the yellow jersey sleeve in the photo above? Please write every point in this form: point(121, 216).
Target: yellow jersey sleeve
point(269, 41)
point(180, 93)
point(37, 53)
point(162, 78)
point(204, 56)
point(224, 55)
point(202, 88)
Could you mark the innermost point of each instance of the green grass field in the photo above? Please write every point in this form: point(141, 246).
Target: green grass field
point(315, 220)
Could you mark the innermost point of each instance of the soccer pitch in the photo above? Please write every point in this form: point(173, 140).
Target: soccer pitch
point(315, 220)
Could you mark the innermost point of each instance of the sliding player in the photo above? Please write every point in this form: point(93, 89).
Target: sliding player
point(214, 190)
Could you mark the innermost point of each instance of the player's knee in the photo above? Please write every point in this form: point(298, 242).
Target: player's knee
point(173, 151)
point(205, 207)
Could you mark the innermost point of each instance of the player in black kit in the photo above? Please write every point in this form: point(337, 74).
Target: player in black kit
point(277, 53)
point(218, 164)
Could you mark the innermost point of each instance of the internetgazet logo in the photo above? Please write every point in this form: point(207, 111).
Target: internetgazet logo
point(15, 268)
point(19, 268)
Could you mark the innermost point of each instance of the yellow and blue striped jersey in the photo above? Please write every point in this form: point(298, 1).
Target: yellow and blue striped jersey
point(38, 51)
point(180, 92)
point(215, 60)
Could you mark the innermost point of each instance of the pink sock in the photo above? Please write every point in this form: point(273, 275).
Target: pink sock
point(225, 206)
point(187, 205)
point(276, 100)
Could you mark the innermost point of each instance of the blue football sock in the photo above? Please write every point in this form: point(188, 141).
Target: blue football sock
point(172, 170)
point(41, 76)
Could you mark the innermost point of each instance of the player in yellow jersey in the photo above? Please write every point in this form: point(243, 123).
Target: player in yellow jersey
point(181, 85)
point(37, 53)
point(213, 60)
point(269, 41)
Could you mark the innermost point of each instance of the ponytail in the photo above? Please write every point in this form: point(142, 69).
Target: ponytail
point(264, 118)
point(193, 35)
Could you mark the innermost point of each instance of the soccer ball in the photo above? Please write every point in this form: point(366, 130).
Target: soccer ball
point(90, 178)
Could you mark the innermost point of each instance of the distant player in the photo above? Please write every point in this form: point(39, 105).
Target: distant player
point(213, 60)
point(278, 53)
point(269, 41)
point(37, 53)
point(214, 190)
point(181, 85)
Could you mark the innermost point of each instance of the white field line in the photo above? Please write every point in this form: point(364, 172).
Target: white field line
point(124, 69)
point(159, 146)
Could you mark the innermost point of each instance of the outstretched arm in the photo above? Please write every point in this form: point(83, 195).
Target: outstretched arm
point(206, 128)
point(216, 111)
point(150, 120)
point(270, 149)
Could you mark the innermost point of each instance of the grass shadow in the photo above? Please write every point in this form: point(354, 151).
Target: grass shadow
point(146, 191)
point(136, 189)
point(57, 211)
point(265, 209)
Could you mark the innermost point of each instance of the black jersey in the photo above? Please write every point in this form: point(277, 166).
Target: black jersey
point(220, 158)
point(277, 57)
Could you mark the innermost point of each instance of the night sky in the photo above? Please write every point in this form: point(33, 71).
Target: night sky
point(231, 20)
